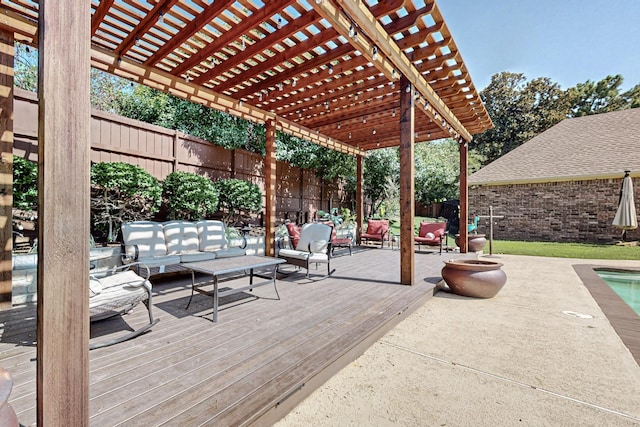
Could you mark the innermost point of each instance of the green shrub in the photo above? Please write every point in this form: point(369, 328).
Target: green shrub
point(25, 184)
point(238, 199)
point(189, 196)
point(121, 192)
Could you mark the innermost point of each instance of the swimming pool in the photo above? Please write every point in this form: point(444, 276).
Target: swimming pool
point(624, 283)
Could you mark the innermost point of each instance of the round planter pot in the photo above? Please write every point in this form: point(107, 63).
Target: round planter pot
point(476, 242)
point(474, 278)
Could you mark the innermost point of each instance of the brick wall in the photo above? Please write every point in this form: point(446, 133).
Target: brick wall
point(570, 211)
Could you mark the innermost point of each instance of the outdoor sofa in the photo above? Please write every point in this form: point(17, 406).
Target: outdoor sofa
point(161, 245)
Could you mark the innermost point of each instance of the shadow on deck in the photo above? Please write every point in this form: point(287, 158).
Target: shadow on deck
point(259, 360)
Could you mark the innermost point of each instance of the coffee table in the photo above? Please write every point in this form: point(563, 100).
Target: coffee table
point(220, 266)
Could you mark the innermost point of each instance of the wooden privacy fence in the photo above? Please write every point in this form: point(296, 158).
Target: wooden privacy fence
point(160, 151)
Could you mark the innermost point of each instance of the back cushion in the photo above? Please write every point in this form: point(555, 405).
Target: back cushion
point(435, 228)
point(294, 233)
point(181, 237)
point(212, 235)
point(314, 233)
point(377, 226)
point(147, 235)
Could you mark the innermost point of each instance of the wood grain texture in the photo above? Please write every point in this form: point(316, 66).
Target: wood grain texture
point(6, 165)
point(261, 358)
point(270, 187)
point(63, 239)
point(407, 193)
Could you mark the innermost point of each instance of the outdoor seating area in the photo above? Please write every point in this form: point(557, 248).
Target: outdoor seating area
point(260, 359)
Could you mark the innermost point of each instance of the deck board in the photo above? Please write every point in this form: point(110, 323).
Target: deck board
point(261, 358)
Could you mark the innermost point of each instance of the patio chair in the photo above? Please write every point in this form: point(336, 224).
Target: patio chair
point(116, 292)
point(431, 234)
point(377, 230)
point(314, 247)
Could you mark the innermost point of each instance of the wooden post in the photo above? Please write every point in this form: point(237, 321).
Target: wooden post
point(64, 137)
point(359, 196)
point(270, 188)
point(407, 198)
point(464, 197)
point(6, 165)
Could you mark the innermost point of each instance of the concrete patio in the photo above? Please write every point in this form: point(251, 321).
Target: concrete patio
point(516, 359)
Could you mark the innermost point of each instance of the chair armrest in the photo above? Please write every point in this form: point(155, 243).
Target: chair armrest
point(137, 265)
point(130, 253)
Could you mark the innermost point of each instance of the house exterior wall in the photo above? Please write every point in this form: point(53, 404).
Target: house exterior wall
point(566, 211)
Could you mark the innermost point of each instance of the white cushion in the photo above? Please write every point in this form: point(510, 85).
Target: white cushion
point(156, 261)
point(304, 255)
point(315, 232)
point(229, 252)
point(180, 237)
point(25, 262)
point(95, 287)
point(197, 256)
point(147, 235)
point(212, 235)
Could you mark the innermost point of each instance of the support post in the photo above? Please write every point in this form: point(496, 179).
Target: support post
point(64, 137)
point(6, 165)
point(270, 188)
point(407, 199)
point(359, 196)
point(464, 198)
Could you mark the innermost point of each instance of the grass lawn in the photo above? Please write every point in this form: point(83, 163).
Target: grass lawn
point(550, 249)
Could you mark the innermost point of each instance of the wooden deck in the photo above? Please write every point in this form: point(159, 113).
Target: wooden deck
point(259, 360)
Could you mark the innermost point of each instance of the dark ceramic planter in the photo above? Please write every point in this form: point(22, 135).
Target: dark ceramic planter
point(474, 278)
point(476, 242)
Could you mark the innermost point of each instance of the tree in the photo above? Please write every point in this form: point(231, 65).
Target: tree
point(25, 184)
point(519, 111)
point(26, 67)
point(238, 199)
point(381, 177)
point(121, 192)
point(189, 196)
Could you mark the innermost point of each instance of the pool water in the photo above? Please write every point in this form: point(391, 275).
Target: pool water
point(626, 284)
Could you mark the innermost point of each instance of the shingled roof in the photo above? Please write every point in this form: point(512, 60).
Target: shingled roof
point(599, 146)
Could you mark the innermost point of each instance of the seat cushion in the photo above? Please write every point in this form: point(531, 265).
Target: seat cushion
point(304, 255)
point(229, 252)
point(318, 234)
point(294, 234)
point(211, 235)
point(181, 237)
point(437, 229)
point(197, 256)
point(160, 260)
point(377, 227)
point(147, 236)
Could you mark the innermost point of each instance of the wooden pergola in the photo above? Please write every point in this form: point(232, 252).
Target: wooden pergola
point(349, 75)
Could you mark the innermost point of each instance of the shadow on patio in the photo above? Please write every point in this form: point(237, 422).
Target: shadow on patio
point(259, 360)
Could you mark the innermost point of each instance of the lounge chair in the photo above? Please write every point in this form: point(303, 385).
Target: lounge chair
point(314, 247)
point(431, 234)
point(377, 230)
point(116, 292)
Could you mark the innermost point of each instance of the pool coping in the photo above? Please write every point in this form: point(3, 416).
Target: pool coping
point(624, 320)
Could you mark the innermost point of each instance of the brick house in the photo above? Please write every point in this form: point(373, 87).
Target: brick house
point(564, 184)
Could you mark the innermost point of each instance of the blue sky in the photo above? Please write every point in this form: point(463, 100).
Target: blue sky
point(569, 41)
